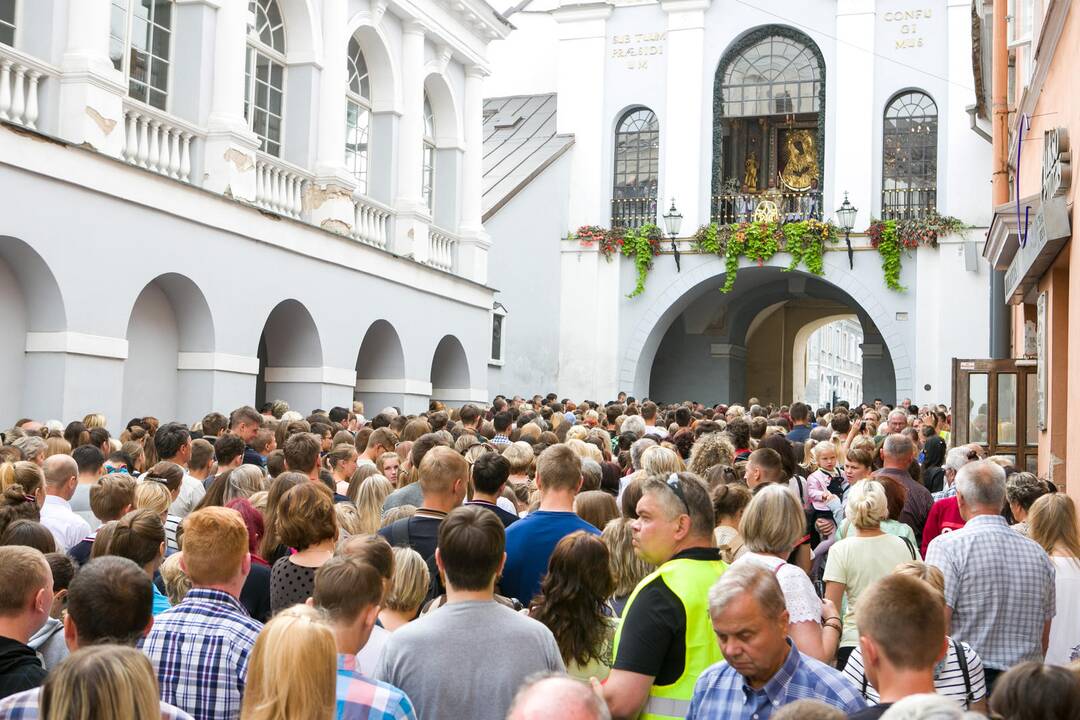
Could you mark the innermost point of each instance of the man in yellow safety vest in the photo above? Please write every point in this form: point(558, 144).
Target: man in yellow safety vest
point(665, 639)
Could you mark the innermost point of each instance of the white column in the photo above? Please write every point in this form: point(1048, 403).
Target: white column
point(580, 87)
point(410, 228)
point(958, 145)
point(91, 89)
point(681, 126)
point(230, 146)
point(329, 198)
point(853, 95)
point(474, 243)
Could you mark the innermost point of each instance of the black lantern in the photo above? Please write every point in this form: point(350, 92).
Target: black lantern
point(672, 223)
point(845, 217)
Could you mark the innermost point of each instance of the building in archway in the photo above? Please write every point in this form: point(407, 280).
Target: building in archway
point(210, 203)
point(607, 113)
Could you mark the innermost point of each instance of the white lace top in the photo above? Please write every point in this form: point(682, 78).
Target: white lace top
point(803, 603)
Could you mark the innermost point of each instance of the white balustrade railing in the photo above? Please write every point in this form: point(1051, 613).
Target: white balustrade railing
point(441, 245)
point(157, 142)
point(279, 186)
point(20, 87)
point(372, 222)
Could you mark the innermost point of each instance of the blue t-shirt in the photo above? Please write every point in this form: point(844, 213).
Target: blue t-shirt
point(799, 433)
point(529, 544)
point(161, 601)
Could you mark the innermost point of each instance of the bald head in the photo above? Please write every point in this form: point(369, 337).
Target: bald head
point(557, 696)
point(61, 475)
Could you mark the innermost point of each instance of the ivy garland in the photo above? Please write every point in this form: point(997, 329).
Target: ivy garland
point(803, 240)
point(640, 244)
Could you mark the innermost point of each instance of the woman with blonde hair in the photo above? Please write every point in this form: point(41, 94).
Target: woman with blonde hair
point(710, 449)
point(102, 682)
point(388, 464)
point(341, 462)
point(860, 559)
point(292, 671)
point(1052, 524)
point(772, 525)
point(408, 589)
point(370, 496)
point(362, 473)
point(661, 460)
point(959, 677)
point(26, 475)
point(153, 496)
point(94, 420)
point(627, 568)
point(56, 445)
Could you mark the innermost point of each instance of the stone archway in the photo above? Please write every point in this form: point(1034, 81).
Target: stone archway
point(450, 377)
point(290, 358)
point(380, 369)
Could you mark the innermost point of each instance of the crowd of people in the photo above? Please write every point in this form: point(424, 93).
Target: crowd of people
point(537, 558)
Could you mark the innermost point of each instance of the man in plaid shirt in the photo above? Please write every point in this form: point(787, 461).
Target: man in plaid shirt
point(200, 648)
point(999, 585)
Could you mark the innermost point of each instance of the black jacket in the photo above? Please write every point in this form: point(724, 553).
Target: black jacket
point(20, 667)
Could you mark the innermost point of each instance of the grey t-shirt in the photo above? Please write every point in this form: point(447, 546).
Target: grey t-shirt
point(467, 660)
point(80, 505)
point(408, 495)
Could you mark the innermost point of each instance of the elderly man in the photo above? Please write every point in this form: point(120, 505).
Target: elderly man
point(551, 696)
point(762, 669)
point(897, 453)
point(999, 585)
point(664, 640)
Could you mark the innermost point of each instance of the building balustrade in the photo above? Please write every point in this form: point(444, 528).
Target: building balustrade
point(633, 212)
point(441, 248)
point(20, 87)
point(157, 142)
point(279, 186)
point(908, 203)
point(372, 223)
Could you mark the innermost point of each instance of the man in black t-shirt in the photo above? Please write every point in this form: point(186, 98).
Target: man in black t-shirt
point(489, 474)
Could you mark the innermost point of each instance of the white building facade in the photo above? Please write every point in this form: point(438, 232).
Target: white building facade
point(213, 202)
point(834, 364)
point(718, 105)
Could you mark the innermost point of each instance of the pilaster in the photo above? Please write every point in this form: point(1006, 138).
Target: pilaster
point(413, 215)
point(852, 85)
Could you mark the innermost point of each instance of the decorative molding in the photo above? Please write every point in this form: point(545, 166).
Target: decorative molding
point(220, 362)
point(324, 375)
point(75, 343)
point(394, 386)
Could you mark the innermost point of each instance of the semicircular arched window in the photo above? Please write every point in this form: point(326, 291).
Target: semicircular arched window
point(775, 76)
point(637, 169)
point(357, 116)
point(909, 157)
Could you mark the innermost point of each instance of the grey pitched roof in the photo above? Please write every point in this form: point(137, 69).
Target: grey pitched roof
point(519, 143)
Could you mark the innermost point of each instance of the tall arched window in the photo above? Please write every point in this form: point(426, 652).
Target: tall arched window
point(427, 189)
point(357, 116)
point(637, 168)
point(140, 36)
point(7, 22)
point(264, 99)
point(909, 157)
point(768, 132)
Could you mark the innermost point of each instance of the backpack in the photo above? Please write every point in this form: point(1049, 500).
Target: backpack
point(961, 660)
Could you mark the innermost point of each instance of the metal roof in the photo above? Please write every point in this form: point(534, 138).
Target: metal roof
point(519, 143)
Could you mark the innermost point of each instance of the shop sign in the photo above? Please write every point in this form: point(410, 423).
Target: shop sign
point(1040, 366)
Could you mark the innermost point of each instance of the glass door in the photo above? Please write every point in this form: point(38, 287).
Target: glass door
point(994, 405)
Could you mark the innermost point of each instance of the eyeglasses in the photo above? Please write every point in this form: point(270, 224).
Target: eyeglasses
point(676, 486)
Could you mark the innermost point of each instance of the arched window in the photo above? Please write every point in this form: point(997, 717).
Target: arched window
point(637, 168)
point(427, 189)
point(909, 157)
point(769, 110)
point(265, 74)
point(7, 22)
point(357, 116)
point(140, 36)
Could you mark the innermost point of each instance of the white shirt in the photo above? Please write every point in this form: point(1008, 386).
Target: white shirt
point(191, 493)
point(67, 527)
point(368, 657)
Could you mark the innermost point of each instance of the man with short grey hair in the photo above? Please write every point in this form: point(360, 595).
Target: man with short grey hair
point(999, 585)
point(550, 696)
point(61, 479)
point(897, 453)
point(32, 447)
point(762, 670)
point(633, 424)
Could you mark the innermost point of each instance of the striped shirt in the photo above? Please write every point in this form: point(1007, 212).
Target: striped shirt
point(721, 692)
point(1000, 587)
point(948, 677)
point(200, 650)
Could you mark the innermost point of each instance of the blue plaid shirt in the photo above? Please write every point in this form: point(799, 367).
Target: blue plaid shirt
point(200, 649)
point(721, 692)
point(361, 698)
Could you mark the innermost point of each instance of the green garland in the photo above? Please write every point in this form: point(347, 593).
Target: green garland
point(803, 240)
point(891, 238)
point(888, 247)
point(642, 244)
